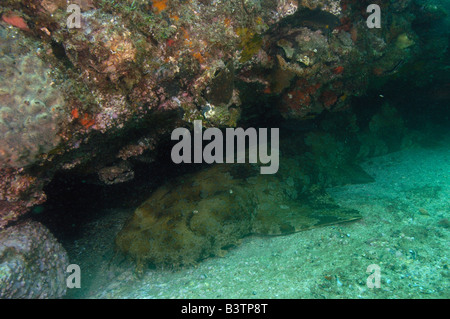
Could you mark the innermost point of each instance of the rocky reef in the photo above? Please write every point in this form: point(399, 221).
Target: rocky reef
point(32, 263)
point(150, 66)
point(99, 99)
